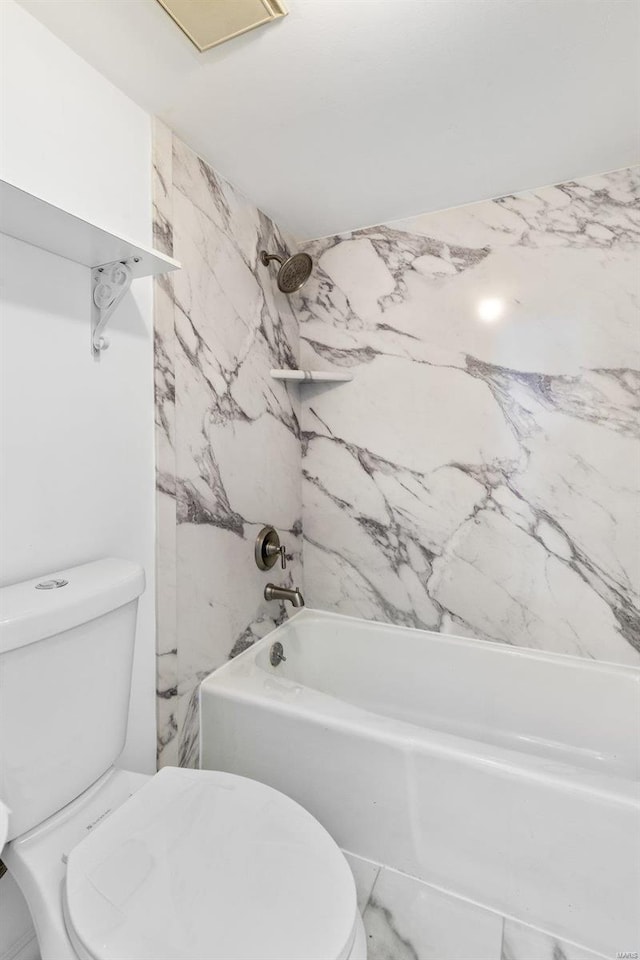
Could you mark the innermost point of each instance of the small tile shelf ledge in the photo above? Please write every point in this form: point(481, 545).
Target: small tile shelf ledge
point(114, 261)
point(311, 376)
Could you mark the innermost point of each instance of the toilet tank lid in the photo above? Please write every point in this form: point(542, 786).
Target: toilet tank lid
point(29, 612)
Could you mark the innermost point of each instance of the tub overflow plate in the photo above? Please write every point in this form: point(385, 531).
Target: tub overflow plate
point(276, 654)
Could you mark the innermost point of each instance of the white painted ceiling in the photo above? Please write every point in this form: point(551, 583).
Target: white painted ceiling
point(349, 113)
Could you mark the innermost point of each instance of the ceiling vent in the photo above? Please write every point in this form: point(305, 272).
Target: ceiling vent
point(210, 22)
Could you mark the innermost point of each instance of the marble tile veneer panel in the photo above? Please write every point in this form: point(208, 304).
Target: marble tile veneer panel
point(228, 436)
point(408, 920)
point(480, 474)
point(521, 942)
point(365, 874)
point(164, 363)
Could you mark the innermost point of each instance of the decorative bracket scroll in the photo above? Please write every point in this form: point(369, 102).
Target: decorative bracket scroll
point(110, 283)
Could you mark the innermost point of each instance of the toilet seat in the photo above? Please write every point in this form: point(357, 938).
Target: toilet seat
point(209, 865)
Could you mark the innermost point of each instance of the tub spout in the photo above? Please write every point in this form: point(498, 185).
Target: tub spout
point(295, 598)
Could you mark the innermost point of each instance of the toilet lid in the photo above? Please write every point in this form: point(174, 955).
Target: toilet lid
point(201, 865)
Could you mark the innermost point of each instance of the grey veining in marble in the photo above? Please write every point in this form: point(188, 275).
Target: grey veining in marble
point(521, 942)
point(228, 436)
point(406, 919)
point(365, 874)
point(481, 474)
point(409, 920)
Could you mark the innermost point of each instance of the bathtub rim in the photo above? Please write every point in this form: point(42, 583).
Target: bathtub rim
point(511, 649)
point(236, 681)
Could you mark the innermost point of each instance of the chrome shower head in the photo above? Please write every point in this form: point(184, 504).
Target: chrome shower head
point(294, 271)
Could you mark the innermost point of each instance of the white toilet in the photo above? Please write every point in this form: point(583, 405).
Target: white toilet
point(188, 864)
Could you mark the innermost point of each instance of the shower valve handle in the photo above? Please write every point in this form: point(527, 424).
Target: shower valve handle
point(268, 548)
point(272, 551)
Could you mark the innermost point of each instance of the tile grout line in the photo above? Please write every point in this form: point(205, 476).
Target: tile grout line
point(502, 955)
point(373, 886)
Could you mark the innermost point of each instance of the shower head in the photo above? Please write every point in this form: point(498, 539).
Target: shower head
point(294, 271)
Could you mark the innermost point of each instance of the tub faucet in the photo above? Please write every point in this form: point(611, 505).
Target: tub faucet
point(271, 592)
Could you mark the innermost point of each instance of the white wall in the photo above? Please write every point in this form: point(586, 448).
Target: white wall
point(76, 436)
point(69, 135)
point(76, 443)
point(77, 451)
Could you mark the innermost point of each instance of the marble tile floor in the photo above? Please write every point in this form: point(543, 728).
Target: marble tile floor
point(406, 919)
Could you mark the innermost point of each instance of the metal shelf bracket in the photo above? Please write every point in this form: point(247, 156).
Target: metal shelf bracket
point(110, 283)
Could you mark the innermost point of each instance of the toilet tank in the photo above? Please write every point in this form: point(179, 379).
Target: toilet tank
point(66, 651)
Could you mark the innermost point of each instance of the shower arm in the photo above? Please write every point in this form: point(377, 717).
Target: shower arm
point(266, 257)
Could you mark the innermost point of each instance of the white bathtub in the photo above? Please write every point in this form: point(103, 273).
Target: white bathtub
point(506, 776)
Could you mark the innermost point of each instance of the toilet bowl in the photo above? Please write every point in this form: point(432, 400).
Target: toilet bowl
point(114, 865)
point(187, 865)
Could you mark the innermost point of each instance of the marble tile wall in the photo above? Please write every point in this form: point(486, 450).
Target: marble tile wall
point(228, 436)
point(480, 474)
point(406, 919)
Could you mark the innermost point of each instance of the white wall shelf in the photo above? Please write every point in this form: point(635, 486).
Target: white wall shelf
point(114, 261)
point(311, 376)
